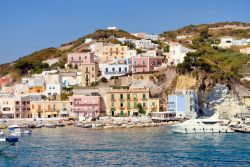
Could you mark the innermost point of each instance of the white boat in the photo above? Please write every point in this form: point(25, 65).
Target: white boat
point(50, 125)
point(1, 133)
point(26, 131)
point(15, 130)
point(202, 126)
point(6, 142)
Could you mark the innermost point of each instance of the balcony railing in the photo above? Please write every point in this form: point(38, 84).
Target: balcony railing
point(140, 65)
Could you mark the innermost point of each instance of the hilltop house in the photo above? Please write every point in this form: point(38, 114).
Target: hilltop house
point(77, 59)
point(177, 52)
point(227, 42)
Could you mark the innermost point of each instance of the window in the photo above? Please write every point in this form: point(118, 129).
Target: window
point(144, 104)
point(128, 105)
point(144, 96)
point(113, 69)
point(128, 96)
point(125, 69)
point(135, 96)
point(135, 104)
point(121, 104)
point(54, 107)
point(121, 96)
point(106, 69)
point(112, 96)
point(72, 59)
point(153, 104)
point(112, 104)
point(86, 69)
point(79, 58)
point(120, 69)
point(143, 62)
point(92, 68)
point(135, 62)
point(85, 57)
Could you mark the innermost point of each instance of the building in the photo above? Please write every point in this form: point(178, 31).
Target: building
point(36, 84)
point(85, 105)
point(144, 64)
point(15, 106)
point(143, 35)
point(115, 69)
point(152, 53)
point(50, 62)
point(245, 50)
point(5, 81)
point(77, 59)
point(184, 103)
point(113, 51)
point(124, 101)
point(50, 109)
point(227, 42)
point(71, 79)
point(177, 53)
point(89, 73)
point(144, 44)
point(53, 84)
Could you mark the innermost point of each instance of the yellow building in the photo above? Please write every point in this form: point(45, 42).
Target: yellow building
point(89, 73)
point(36, 89)
point(113, 51)
point(49, 109)
point(124, 102)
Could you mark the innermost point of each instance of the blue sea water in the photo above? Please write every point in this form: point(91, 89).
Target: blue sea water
point(71, 146)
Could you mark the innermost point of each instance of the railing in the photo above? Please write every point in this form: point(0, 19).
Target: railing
point(140, 65)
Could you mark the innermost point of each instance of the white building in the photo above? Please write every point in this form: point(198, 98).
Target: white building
point(144, 44)
point(50, 62)
point(177, 52)
point(53, 85)
point(71, 79)
point(109, 70)
point(227, 42)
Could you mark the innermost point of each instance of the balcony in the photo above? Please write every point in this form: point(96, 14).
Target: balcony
point(110, 72)
point(140, 65)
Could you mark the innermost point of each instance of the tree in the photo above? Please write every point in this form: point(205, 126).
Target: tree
point(104, 80)
point(166, 48)
point(140, 109)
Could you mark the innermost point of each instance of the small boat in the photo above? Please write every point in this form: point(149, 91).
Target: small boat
point(79, 124)
point(61, 125)
point(6, 142)
point(39, 126)
point(50, 125)
point(15, 130)
point(27, 131)
point(87, 126)
point(242, 128)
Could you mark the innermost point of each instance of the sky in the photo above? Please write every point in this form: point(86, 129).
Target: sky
point(30, 25)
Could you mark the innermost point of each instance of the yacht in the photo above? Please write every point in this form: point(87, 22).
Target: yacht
point(202, 126)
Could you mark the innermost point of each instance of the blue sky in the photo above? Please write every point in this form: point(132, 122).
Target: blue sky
point(30, 25)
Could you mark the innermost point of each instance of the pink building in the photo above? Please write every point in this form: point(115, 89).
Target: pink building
point(144, 64)
point(86, 106)
point(4, 81)
point(77, 59)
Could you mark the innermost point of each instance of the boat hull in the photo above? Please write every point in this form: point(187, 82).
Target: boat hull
point(201, 129)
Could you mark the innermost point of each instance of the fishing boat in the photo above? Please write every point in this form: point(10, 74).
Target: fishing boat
point(15, 130)
point(201, 126)
point(50, 125)
point(6, 142)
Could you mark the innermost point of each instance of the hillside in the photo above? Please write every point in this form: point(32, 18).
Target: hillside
point(235, 29)
point(33, 62)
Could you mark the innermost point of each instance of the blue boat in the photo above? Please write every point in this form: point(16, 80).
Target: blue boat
point(6, 142)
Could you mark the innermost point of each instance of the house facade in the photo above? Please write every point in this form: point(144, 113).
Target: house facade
point(109, 70)
point(77, 59)
point(89, 73)
point(49, 109)
point(113, 51)
point(85, 105)
point(124, 102)
point(184, 103)
point(144, 64)
point(177, 53)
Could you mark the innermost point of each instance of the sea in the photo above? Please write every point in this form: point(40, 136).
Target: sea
point(156, 146)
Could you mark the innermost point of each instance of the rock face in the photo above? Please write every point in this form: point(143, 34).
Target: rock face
point(220, 100)
point(186, 82)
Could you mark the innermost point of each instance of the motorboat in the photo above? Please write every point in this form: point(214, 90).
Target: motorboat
point(202, 126)
point(6, 142)
point(39, 125)
point(242, 128)
point(50, 125)
point(27, 131)
point(87, 126)
point(15, 130)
